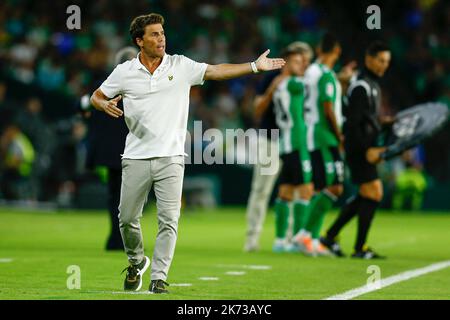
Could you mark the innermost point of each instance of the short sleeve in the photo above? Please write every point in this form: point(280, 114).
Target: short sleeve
point(295, 86)
point(195, 71)
point(112, 86)
point(327, 89)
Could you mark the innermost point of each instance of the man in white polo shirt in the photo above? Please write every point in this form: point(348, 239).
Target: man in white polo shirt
point(155, 90)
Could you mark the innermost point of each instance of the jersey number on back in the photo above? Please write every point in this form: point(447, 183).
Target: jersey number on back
point(282, 116)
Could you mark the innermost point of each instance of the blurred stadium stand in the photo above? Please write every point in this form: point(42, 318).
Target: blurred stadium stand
point(45, 69)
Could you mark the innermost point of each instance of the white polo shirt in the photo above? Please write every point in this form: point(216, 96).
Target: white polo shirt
point(155, 105)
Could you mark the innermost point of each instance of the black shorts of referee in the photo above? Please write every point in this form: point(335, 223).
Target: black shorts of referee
point(361, 171)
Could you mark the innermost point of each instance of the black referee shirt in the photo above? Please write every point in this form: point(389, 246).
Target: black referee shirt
point(361, 108)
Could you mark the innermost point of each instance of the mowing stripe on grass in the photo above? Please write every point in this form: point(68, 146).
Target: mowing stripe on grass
point(403, 242)
point(404, 276)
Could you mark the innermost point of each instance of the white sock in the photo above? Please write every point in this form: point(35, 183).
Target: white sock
point(315, 243)
point(299, 234)
point(303, 233)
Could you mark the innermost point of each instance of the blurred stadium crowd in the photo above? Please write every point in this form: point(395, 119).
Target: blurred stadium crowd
point(43, 157)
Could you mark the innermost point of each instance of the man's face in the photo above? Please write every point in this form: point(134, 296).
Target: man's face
point(379, 63)
point(306, 62)
point(153, 42)
point(337, 50)
point(295, 64)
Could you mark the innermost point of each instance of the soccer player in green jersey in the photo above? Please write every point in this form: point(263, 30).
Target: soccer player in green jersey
point(296, 187)
point(324, 138)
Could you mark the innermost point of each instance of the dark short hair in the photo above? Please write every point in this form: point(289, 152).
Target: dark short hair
point(328, 42)
point(137, 27)
point(376, 46)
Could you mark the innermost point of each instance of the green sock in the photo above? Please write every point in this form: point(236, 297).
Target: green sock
point(319, 206)
point(281, 218)
point(300, 215)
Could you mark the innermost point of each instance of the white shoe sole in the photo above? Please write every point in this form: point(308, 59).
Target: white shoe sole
point(299, 247)
point(141, 272)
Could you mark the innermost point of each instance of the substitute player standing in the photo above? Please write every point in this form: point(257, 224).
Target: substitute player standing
point(265, 114)
point(324, 118)
point(361, 130)
point(155, 89)
point(296, 188)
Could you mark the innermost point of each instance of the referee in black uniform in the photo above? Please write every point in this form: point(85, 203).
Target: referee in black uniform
point(361, 129)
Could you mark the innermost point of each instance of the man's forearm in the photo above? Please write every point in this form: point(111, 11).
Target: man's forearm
point(103, 103)
point(261, 105)
point(97, 100)
point(227, 71)
point(331, 117)
point(263, 102)
point(335, 127)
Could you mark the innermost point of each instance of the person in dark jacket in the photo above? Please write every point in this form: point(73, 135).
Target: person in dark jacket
point(106, 144)
point(362, 127)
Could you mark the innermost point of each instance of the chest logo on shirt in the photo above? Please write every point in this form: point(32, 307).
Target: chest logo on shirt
point(170, 78)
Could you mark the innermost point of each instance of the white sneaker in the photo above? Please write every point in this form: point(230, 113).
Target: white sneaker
point(320, 250)
point(304, 244)
point(280, 246)
point(251, 246)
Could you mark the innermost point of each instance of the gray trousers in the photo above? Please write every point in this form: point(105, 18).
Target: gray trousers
point(261, 188)
point(138, 176)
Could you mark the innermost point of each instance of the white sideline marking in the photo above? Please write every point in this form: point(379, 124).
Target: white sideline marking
point(130, 292)
point(116, 292)
point(5, 260)
point(245, 266)
point(181, 284)
point(404, 276)
point(145, 292)
point(208, 278)
point(256, 267)
point(235, 273)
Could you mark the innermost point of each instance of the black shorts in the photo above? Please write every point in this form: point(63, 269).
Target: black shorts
point(328, 167)
point(361, 171)
point(296, 170)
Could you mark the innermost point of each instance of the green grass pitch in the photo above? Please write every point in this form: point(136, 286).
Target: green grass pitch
point(43, 244)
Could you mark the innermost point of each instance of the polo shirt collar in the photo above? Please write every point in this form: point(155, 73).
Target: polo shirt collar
point(139, 65)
